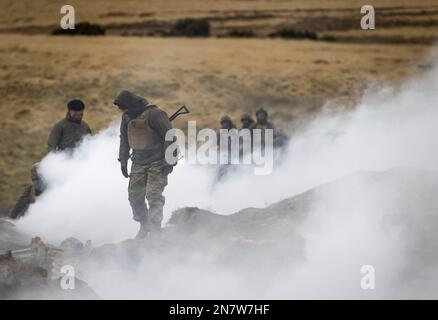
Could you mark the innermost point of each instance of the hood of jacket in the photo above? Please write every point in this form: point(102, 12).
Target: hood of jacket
point(135, 104)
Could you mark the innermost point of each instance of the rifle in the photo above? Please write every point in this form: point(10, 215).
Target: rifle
point(180, 111)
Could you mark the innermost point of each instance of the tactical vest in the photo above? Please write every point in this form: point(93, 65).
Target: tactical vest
point(140, 135)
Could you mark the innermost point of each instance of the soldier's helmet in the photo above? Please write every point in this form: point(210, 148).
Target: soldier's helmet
point(34, 171)
point(226, 119)
point(246, 116)
point(261, 110)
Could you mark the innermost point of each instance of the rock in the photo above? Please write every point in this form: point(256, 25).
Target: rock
point(10, 238)
point(71, 244)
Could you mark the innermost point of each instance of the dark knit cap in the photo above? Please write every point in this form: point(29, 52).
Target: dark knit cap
point(76, 105)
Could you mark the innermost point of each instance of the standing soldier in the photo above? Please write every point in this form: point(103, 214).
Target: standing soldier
point(67, 133)
point(279, 137)
point(262, 120)
point(246, 121)
point(262, 123)
point(226, 124)
point(224, 145)
point(143, 129)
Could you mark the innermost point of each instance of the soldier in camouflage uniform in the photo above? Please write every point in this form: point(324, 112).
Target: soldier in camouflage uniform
point(67, 133)
point(29, 194)
point(143, 129)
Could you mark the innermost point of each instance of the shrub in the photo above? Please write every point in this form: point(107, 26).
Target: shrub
point(82, 28)
point(328, 38)
point(238, 33)
point(290, 33)
point(191, 27)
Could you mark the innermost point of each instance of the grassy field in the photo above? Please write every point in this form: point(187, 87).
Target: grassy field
point(334, 19)
point(213, 76)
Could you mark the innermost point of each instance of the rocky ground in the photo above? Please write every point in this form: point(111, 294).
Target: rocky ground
point(245, 254)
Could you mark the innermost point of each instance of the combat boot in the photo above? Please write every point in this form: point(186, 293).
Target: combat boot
point(155, 230)
point(144, 230)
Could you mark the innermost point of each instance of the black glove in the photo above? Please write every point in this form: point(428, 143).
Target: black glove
point(166, 169)
point(124, 167)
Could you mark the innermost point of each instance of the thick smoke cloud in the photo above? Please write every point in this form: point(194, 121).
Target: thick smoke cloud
point(356, 220)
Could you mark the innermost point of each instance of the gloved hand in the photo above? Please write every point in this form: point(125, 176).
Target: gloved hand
point(166, 169)
point(124, 167)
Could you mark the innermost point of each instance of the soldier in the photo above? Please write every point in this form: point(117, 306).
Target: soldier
point(262, 120)
point(143, 129)
point(29, 194)
point(67, 133)
point(246, 121)
point(280, 139)
point(261, 123)
point(227, 124)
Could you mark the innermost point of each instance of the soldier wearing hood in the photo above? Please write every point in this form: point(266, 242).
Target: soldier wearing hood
point(143, 129)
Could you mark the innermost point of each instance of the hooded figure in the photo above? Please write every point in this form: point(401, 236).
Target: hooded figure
point(143, 129)
point(135, 105)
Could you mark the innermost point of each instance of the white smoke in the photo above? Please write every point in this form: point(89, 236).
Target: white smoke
point(392, 127)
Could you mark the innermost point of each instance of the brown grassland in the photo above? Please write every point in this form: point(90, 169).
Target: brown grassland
point(293, 79)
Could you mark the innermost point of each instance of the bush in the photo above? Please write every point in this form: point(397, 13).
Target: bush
point(82, 28)
point(237, 33)
point(328, 38)
point(290, 33)
point(191, 27)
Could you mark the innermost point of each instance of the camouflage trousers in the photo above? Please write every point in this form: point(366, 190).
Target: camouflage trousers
point(147, 181)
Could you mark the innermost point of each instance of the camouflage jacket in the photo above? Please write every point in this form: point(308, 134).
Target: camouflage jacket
point(67, 133)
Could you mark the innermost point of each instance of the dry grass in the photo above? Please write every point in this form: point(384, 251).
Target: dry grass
point(261, 17)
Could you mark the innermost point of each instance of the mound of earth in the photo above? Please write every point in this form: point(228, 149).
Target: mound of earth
point(254, 245)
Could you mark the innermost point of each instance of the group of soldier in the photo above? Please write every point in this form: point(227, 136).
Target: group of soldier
point(142, 139)
point(247, 121)
point(261, 122)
